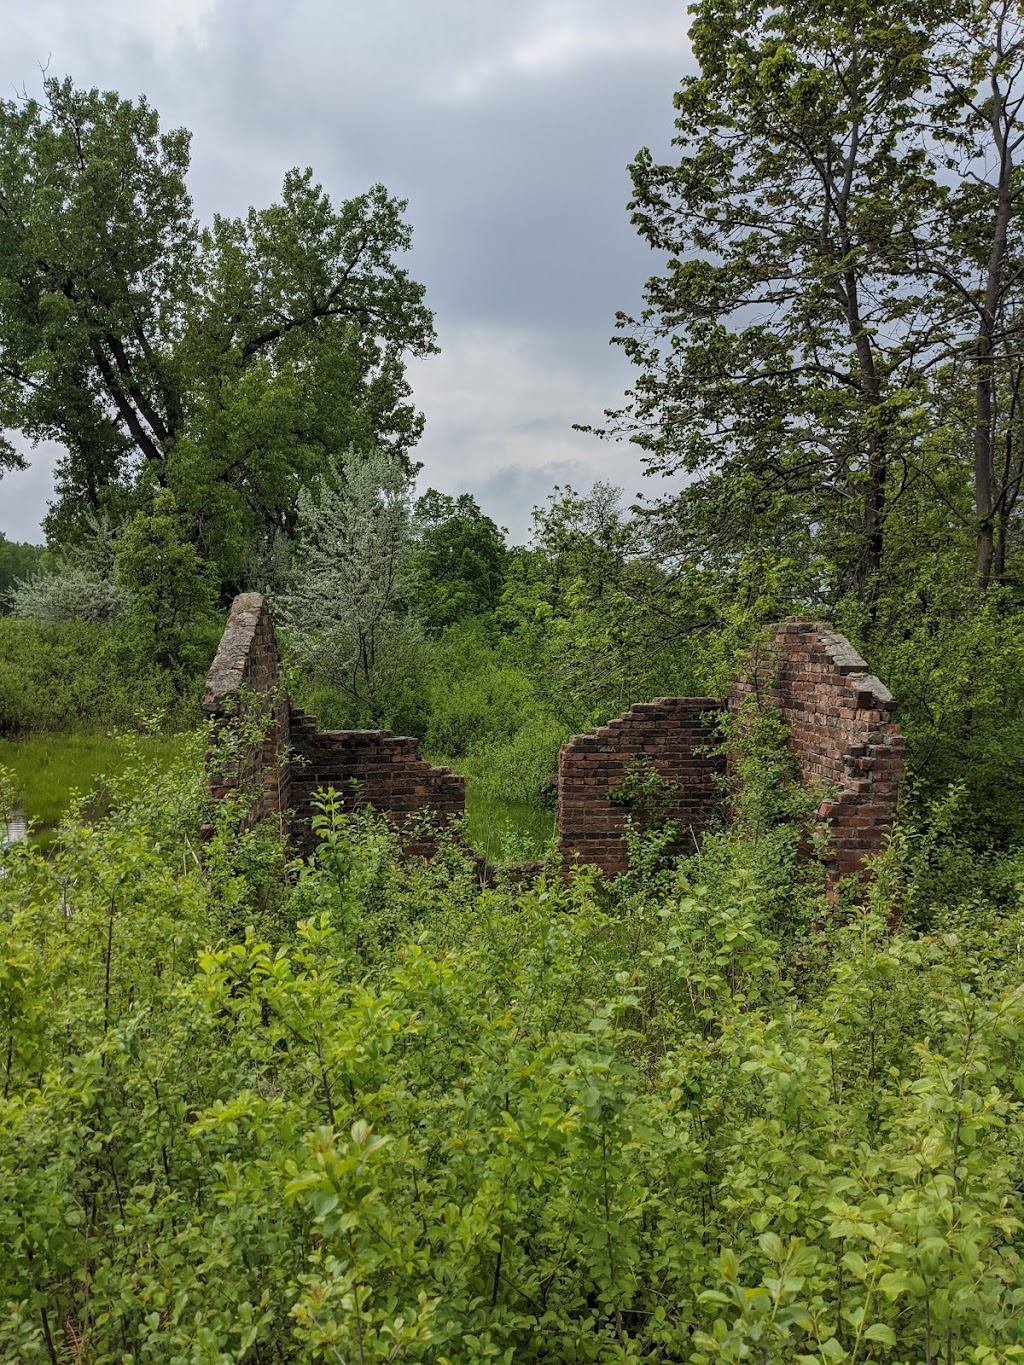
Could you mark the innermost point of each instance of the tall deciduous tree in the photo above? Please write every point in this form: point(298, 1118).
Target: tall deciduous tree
point(169, 588)
point(841, 229)
point(225, 364)
point(460, 562)
point(969, 248)
point(596, 620)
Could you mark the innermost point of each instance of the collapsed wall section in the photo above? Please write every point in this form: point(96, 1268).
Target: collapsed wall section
point(841, 731)
point(838, 716)
point(276, 755)
point(378, 769)
point(245, 696)
point(674, 737)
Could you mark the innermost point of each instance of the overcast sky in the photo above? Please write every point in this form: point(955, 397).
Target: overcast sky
point(507, 124)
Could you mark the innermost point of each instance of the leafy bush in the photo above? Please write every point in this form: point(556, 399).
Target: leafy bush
point(955, 664)
point(169, 588)
point(18, 560)
point(517, 769)
point(485, 719)
point(74, 584)
point(474, 696)
point(351, 1108)
point(71, 592)
point(81, 674)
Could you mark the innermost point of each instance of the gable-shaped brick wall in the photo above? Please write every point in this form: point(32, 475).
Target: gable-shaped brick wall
point(839, 718)
point(841, 731)
point(292, 758)
point(674, 736)
point(244, 684)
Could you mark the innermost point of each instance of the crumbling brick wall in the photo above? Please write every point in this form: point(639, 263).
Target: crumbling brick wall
point(245, 695)
point(841, 731)
point(674, 736)
point(373, 768)
point(284, 759)
point(838, 715)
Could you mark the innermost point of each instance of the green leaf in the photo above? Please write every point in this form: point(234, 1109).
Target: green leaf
point(893, 1284)
point(729, 1265)
point(832, 1350)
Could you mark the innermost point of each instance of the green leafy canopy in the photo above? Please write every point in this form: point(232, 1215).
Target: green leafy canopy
point(224, 363)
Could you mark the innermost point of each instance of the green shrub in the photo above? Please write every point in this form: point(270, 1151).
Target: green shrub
point(18, 560)
point(49, 771)
point(353, 1108)
point(955, 665)
point(82, 674)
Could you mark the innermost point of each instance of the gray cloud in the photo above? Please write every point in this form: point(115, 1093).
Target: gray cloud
point(500, 402)
point(508, 128)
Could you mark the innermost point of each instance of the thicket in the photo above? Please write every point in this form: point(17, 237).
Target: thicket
point(849, 450)
point(350, 1108)
point(81, 675)
point(111, 631)
point(257, 1108)
point(18, 560)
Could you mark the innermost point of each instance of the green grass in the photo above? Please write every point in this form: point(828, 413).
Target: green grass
point(51, 770)
point(503, 830)
point(506, 831)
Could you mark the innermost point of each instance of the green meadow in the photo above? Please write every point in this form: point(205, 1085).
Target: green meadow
point(51, 772)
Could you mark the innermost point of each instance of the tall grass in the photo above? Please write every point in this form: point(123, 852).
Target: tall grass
point(504, 830)
point(52, 770)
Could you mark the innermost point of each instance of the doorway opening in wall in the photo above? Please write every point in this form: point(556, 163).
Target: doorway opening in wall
point(500, 827)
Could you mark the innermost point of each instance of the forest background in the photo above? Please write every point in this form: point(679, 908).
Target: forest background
point(827, 373)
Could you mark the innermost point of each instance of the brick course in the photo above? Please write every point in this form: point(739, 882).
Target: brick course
point(674, 736)
point(245, 682)
point(373, 768)
point(841, 731)
point(295, 759)
point(839, 719)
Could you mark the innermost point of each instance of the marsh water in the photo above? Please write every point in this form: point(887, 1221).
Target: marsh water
point(14, 828)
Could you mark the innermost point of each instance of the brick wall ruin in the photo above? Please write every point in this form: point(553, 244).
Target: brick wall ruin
point(244, 685)
point(279, 754)
point(373, 768)
point(839, 718)
point(841, 731)
point(674, 737)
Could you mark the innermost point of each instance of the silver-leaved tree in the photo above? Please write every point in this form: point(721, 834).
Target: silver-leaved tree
point(348, 602)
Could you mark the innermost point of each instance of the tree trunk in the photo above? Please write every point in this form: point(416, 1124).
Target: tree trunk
point(869, 561)
point(985, 370)
point(983, 494)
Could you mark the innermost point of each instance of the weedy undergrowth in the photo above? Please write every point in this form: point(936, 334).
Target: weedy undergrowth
point(262, 1108)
